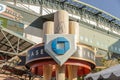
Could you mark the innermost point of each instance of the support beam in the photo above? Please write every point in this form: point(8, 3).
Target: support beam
point(48, 28)
point(61, 26)
point(8, 42)
point(47, 72)
point(15, 1)
point(4, 40)
point(72, 72)
point(60, 72)
point(73, 29)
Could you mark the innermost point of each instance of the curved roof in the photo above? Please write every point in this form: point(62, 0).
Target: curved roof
point(111, 6)
point(96, 10)
point(75, 4)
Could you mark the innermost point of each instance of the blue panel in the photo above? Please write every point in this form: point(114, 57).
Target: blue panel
point(60, 51)
point(54, 42)
point(67, 46)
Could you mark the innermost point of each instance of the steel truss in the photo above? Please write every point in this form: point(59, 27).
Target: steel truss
point(86, 13)
point(11, 43)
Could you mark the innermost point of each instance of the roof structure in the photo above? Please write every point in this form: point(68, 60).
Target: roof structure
point(111, 73)
point(13, 43)
point(12, 46)
point(76, 5)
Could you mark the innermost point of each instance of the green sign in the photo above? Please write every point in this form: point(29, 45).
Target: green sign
point(3, 22)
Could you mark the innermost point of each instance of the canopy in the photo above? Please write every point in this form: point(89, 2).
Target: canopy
point(13, 43)
point(112, 73)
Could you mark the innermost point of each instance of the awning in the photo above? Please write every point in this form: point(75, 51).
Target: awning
point(112, 73)
point(13, 43)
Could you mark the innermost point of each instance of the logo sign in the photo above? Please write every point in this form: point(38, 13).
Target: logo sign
point(2, 8)
point(60, 46)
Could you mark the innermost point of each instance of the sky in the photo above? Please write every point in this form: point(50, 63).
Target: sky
point(110, 6)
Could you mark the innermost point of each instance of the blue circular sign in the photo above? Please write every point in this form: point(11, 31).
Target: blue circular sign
point(60, 45)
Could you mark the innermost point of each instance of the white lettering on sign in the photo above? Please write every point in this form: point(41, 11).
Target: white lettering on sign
point(36, 53)
point(2, 8)
point(86, 54)
point(41, 51)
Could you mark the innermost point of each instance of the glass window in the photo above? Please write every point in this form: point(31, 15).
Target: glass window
point(86, 39)
point(98, 43)
point(111, 47)
point(119, 49)
point(81, 37)
point(88, 54)
point(116, 48)
point(91, 41)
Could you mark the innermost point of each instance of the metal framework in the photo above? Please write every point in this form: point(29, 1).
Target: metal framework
point(92, 17)
point(82, 11)
point(11, 47)
point(12, 43)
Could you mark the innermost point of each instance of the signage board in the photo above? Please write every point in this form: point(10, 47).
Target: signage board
point(84, 53)
point(60, 46)
point(36, 53)
point(2, 8)
point(3, 22)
